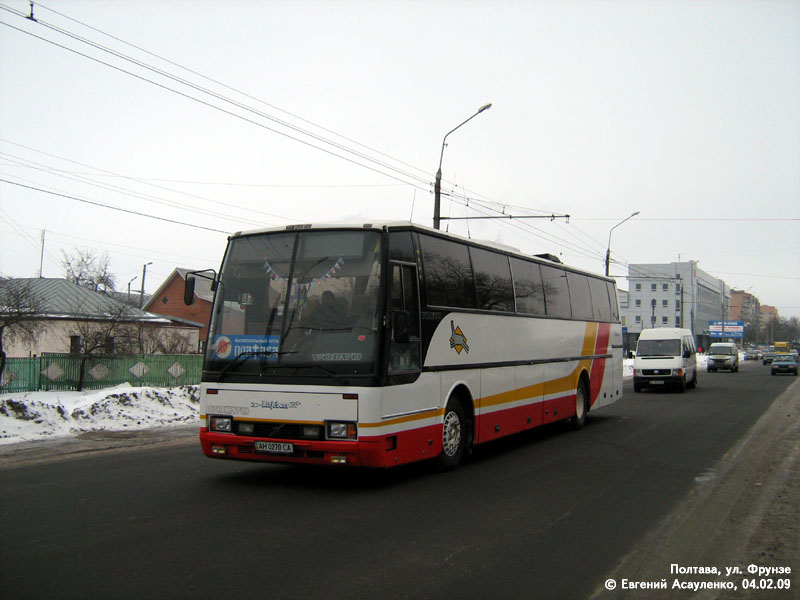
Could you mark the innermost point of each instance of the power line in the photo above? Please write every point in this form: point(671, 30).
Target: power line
point(217, 96)
point(130, 193)
point(240, 105)
point(125, 210)
point(217, 82)
point(145, 182)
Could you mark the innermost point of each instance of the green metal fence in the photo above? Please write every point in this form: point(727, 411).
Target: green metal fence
point(62, 371)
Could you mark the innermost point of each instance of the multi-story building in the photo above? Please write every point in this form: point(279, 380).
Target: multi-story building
point(768, 314)
point(746, 308)
point(676, 294)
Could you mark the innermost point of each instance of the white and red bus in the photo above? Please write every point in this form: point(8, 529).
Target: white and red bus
point(385, 343)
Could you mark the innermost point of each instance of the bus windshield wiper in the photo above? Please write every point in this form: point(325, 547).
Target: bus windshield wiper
point(242, 356)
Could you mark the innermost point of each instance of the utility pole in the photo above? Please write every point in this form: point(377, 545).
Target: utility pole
point(144, 274)
point(41, 256)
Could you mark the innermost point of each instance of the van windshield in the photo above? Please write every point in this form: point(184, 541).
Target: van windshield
point(721, 350)
point(659, 348)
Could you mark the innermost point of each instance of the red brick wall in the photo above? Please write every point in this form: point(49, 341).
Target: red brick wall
point(200, 311)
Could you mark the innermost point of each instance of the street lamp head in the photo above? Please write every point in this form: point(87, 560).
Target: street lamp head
point(634, 214)
point(484, 107)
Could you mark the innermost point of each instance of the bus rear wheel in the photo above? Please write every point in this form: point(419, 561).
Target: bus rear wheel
point(454, 436)
point(578, 420)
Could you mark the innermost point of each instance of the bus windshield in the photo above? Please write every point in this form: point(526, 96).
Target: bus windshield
point(297, 300)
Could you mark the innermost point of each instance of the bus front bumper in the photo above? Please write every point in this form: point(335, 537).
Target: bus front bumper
point(318, 452)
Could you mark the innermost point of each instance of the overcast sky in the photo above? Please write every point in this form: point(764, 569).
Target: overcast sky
point(687, 111)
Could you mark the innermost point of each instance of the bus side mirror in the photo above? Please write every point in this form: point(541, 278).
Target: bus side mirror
point(400, 327)
point(188, 291)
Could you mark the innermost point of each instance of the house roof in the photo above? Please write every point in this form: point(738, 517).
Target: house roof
point(64, 299)
point(202, 286)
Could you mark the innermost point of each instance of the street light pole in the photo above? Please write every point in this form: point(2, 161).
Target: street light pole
point(608, 251)
point(437, 187)
point(144, 274)
point(129, 287)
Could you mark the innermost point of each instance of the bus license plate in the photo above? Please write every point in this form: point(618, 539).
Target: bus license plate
point(274, 447)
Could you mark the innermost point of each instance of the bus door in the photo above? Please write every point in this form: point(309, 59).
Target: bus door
point(404, 325)
point(403, 347)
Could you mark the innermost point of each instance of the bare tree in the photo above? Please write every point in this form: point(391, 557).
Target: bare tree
point(145, 338)
point(97, 336)
point(89, 270)
point(20, 315)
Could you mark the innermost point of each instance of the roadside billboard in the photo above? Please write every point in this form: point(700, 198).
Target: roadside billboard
point(733, 329)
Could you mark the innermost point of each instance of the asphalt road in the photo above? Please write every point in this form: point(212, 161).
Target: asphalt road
point(546, 514)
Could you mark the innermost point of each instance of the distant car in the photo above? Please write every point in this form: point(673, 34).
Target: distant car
point(796, 355)
point(751, 355)
point(768, 356)
point(784, 363)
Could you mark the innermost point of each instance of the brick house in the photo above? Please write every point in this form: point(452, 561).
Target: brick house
point(167, 300)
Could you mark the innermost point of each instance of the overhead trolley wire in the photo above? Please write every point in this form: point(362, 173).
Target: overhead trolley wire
point(396, 174)
point(224, 85)
point(216, 96)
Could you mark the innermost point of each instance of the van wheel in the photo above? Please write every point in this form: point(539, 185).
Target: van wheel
point(578, 420)
point(693, 382)
point(637, 388)
point(682, 385)
point(454, 436)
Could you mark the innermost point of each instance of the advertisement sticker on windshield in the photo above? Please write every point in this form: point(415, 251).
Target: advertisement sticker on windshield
point(231, 346)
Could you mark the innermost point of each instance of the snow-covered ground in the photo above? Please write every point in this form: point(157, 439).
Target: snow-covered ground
point(27, 416)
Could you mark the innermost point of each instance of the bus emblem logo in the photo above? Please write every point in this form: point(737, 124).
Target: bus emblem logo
point(457, 339)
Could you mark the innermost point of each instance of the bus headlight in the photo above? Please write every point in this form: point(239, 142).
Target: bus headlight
point(341, 431)
point(221, 424)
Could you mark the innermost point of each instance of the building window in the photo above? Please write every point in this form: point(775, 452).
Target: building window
point(677, 321)
point(638, 302)
point(653, 287)
point(108, 345)
point(665, 320)
point(665, 303)
point(638, 287)
point(665, 287)
point(638, 319)
point(164, 300)
point(74, 344)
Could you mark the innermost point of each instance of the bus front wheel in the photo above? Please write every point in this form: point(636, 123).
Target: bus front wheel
point(454, 436)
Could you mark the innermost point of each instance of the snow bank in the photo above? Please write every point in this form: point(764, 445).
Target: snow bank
point(26, 416)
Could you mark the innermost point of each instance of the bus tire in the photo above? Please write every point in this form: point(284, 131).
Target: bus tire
point(454, 436)
point(578, 420)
